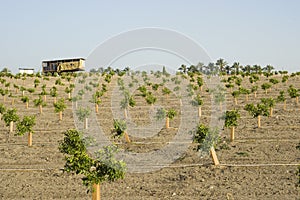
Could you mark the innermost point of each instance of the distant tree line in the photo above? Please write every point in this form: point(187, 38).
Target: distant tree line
point(223, 68)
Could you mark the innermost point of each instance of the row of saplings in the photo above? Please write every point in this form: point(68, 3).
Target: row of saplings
point(23, 126)
point(26, 124)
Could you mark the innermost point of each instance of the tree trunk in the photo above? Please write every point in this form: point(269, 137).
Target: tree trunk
point(60, 115)
point(29, 139)
point(235, 100)
point(199, 111)
point(214, 156)
point(12, 102)
point(167, 122)
point(96, 192)
point(45, 98)
point(54, 100)
point(284, 105)
point(27, 104)
point(271, 112)
point(297, 100)
point(23, 93)
point(41, 109)
point(76, 104)
point(232, 130)
point(258, 121)
point(255, 94)
point(96, 108)
point(69, 95)
point(11, 126)
point(125, 113)
point(86, 123)
point(126, 137)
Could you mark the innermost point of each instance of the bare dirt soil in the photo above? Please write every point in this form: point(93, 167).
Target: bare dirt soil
point(260, 164)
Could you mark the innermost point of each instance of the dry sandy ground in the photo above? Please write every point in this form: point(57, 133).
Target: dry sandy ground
point(260, 164)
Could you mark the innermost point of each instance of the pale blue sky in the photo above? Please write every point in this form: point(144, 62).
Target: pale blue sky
point(251, 32)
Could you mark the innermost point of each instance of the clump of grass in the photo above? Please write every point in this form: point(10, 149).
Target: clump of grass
point(242, 153)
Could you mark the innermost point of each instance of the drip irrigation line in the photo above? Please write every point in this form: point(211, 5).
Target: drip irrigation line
point(170, 166)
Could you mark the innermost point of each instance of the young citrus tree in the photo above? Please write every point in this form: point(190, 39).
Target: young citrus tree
point(170, 114)
point(2, 110)
point(44, 93)
point(121, 84)
point(9, 117)
point(39, 103)
point(219, 98)
point(59, 107)
point(103, 166)
point(31, 90)
point(75, 100)
point(190, 89)
point(143, 90)
point(160, 114)
point(253, 78)
point(274, 81)
point(281, 98)
point(293, 92)
point(16, 88)
point(97, 99)
point(166, 91)
point(25, 99)
point(206, 140)
point(36, 82)
point(254, 90)
point(200, 82)
point(120, 129)
point(126, 102)
point(265, 87)
point(285, 79)
point(7, 85)
point(270, 103)
point(257, 111)
point(23, 89)
point(235, 95)
point(3, 93)
point(198, 101)
point(231, 118)
point(53, 93)
point(83, 114)
point(58, 82)
point(68, 90)
point(150, 99)
point(230, 86)
point(244, 91)
point(12, 98)
point(155, 86)
point(25, 126)
point(238, 81)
